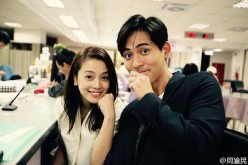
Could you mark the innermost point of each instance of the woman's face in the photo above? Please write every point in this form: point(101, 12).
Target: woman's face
point(92, 80)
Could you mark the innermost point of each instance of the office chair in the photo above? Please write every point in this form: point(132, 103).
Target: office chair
point(9, 74)
point(238, 86)
point(234, 144)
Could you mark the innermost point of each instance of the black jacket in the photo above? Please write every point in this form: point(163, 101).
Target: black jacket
point(185, 127)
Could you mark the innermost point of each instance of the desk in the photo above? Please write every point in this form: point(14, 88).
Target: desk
point(35, 110)
point(236, 108)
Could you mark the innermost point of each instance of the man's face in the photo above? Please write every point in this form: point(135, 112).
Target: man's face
point(143, 56)
point(60, 67)
point(2, 45)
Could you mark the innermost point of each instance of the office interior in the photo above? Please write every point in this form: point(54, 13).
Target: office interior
point(219, 40)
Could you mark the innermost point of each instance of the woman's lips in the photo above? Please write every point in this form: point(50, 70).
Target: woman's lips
point(95, 94)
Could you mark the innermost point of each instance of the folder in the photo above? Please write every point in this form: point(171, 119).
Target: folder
point(14, 138)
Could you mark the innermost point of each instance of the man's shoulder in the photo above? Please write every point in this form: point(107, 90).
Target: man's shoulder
point(200, 76)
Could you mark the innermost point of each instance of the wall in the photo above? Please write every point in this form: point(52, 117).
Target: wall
point(238, 63)
point(246, 70)
point(226, 58)
point(183, 55)
point(4, 55)
point(19, 60)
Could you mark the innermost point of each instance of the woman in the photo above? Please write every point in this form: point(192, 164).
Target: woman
point(89, 109)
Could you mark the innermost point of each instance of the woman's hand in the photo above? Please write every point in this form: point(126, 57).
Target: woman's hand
point(106, 104)
point(103, 141)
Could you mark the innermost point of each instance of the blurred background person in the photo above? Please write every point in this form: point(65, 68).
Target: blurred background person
point(213, 71)
point(4, 40)
point(63, 63)
point(190, 68)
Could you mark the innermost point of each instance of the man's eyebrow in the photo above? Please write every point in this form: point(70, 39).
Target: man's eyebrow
point(139, 45)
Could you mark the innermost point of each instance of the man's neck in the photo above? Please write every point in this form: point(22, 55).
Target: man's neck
point(160, 85)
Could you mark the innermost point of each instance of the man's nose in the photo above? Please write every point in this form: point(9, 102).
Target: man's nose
point(137, 60)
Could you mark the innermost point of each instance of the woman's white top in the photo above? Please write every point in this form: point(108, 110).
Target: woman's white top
point(79, 142)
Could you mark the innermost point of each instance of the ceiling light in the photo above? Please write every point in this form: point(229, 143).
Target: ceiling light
point(199, 26)
point(239, 29)
point(175, 7)
point(12, 24)
point(242, 4)
point(158, 0)
point(69, 21)
point(81, 36)
point(208, 52)
point(175, 37)
point(54, 3)
point(217, 50)
point(219, 39)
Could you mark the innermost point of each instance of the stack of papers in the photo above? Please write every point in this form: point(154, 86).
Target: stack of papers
point(12, 85)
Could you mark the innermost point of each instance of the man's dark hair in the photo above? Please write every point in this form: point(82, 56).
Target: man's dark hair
point(153, 26)
point(4, 37)
point(65, 56)
point(190, 68)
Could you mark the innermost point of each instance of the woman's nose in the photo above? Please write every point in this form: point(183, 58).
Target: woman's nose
point(96, 83)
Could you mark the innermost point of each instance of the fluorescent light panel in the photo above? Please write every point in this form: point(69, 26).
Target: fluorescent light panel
point(209, 52)
point(69, 21)
point(242, 4)
point(199, 26)
point(81, 36)
point(217, 50)
point(12, 24)
point(54, 3)
point(219, 39)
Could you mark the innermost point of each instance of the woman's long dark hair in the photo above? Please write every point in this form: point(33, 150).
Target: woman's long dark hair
point(72, 96)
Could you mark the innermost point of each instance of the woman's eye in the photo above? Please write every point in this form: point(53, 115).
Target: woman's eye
point(88, 77)
point(105, 77)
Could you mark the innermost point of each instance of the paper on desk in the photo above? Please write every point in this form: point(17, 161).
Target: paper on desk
point(14, 137)
point(7, 97)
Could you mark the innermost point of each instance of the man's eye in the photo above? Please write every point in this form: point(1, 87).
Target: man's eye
point(144, 51)
point(127, 56)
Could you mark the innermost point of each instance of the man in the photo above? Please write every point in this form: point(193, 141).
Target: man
point(176, 119)
point(63, 62)
point(4, 40)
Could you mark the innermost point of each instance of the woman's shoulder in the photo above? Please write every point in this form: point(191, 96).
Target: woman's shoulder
point(119, 106)
point(59, 106)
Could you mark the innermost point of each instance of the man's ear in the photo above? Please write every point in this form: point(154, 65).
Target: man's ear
point(66, 65)
point(167, 49)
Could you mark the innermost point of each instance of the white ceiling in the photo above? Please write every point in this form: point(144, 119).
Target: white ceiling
point(101, 19)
